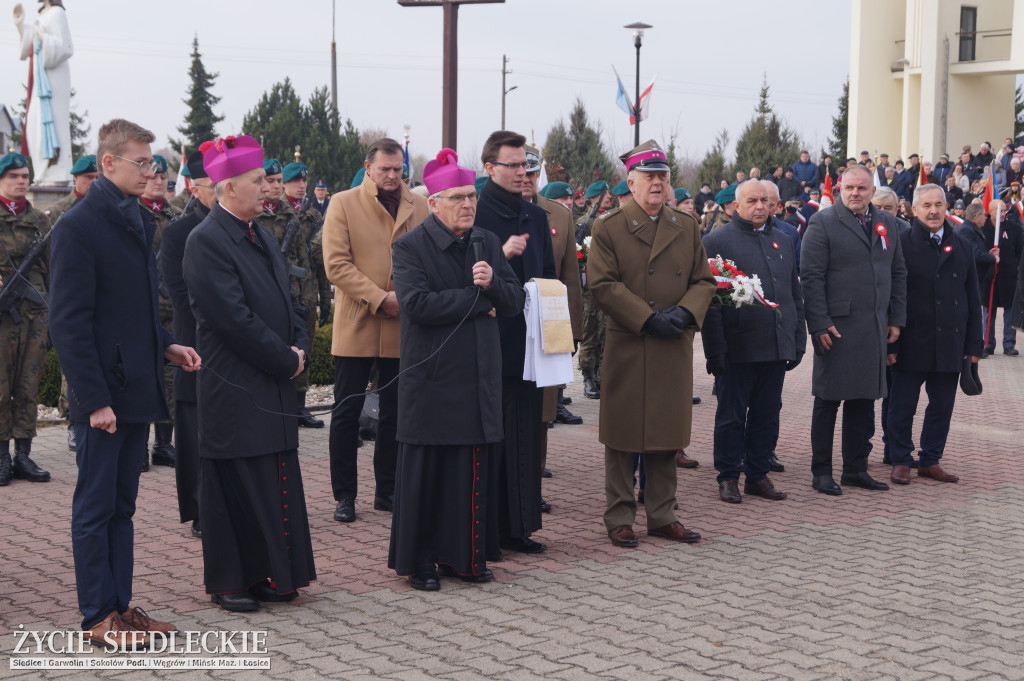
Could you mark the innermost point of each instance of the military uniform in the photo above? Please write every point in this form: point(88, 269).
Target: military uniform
point(323, 284)
point(179, 202)
point(592, 345)
point(64, 205)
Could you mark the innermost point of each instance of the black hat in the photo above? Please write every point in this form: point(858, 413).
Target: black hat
point(970, 381)
point(195, 165)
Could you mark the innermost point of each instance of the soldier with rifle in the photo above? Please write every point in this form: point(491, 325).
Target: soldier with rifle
point(24, 268)
point(592, 346)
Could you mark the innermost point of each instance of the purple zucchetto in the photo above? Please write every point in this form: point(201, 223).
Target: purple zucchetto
point(444, 173)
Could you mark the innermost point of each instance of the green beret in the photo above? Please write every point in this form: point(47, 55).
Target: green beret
point(621, 189)
point(184, 171)
point(682, 194)
point(556, 190)
point(358, 179)
point(85, 164)
point(294, 171)
point(596, 188)
point(12, 161)
point(161, 163)
point(727, 195)
point(271, 166)
point(480, 182)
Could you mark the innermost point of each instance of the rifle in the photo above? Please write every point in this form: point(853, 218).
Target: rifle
point(19, 288)
point(190, 206)
point(584, 225)
point(289, 236)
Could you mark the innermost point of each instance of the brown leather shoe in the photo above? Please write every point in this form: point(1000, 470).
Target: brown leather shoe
point(900, 475)
point(765, 489)
point(623, 535)
point(137, 619)
point(683, 461)
point(729, 491)
point(113, 630)
point(936, 473)
point(676, 532)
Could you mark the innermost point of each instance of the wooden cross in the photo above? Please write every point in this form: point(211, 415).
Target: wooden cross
point(450, 91)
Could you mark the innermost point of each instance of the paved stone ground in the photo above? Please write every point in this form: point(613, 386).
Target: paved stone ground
point(921, 582)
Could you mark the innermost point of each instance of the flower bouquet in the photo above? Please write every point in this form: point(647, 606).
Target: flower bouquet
point(582, 251)
point(736, 288)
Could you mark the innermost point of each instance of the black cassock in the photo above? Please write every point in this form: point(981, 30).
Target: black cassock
point(449, 404)
point(251, 502)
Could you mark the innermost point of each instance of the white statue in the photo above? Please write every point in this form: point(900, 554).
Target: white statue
point(48, 122)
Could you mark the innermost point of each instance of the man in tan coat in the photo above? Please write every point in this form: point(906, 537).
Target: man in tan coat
point(360, 226)
point(649, 273)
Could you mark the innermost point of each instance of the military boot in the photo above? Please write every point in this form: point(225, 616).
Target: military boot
point(5, 463)
point(163, 450)
point(25, 468)
point(590, 386)
point(307, 420)
point(72, 443)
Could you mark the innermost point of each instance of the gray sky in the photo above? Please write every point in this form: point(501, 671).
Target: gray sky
point(132, 57)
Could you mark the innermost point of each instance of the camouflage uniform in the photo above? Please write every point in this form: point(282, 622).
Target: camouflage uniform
point(592, 345)
point(22, 346)
point(179, 202)
point(316, 259)
point(63, 206)
point(305, 289)
point(160, 220)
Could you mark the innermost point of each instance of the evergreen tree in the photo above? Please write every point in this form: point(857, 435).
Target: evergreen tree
point(576, 154)
point(841, 121)
point(1018, 116)
point(277, 122)
point(766, 141)
point(673, 162)
point(79, 130)
point(713, 168)
point(200, 121)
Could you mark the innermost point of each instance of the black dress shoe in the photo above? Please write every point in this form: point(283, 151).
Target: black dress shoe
point(729, 491)
point(774, 465)
point(426, 579)
point(163, 456)
point(696, 400)
point(449, 571)
point(563, 415)
point(145, 463)
point(307, 420)
point(545, 507)
point(523, 545)
point(384, 503)
point(826, 485)
point(262, 591)
point(345, 512)
point(545, 473)
point(1012, 352)
point(640, 498)
point(197, 532)
point(236, 602)
point(862, 480)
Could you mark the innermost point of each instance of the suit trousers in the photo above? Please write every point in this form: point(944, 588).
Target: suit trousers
point(858, 427)
point(1009, 333)
point(102, 533)
point(659, 489)
point(747, 418)
point(186, 460)
point(351, 375)
point(941, 387)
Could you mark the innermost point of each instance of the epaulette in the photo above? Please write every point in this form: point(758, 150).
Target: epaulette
point(608, 214)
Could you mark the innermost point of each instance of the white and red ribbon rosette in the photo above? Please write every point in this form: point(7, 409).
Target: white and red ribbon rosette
point(882, 232)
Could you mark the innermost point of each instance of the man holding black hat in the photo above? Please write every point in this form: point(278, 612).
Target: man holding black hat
point(157, 213)
point(650, 275)
point(22, 329)
point(186, 417)
point(84, 173)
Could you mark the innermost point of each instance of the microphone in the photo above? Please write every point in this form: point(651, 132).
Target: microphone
point(476, 242)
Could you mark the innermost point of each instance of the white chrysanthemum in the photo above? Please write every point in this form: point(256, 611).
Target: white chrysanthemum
point(586, 241)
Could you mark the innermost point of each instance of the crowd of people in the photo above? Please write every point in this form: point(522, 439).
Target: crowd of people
point(195, 314)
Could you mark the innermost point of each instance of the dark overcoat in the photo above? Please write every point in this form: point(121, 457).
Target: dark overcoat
point(857, 283)
point(247, 321)
point(104, 319)
point(1011, 245)
point(943, 303)
point(169, 264)
point(636, 267)
point(453, 398)
point(536, 262)
point(756, 333)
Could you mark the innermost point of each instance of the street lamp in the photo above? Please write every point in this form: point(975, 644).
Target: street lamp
point(638, 39)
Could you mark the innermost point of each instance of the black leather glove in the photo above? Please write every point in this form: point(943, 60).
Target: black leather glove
point(794, 363)
point(662, 325)
point(325, 314)
point(681, 315)
point(717, 365)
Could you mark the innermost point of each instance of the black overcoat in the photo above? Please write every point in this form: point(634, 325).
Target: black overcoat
point(104, 318)
point(1011, 246)
point(455, 397)
point(169, 263)
point(537, 262)
point(756, 333)
point(247, 321)
point(943, 303)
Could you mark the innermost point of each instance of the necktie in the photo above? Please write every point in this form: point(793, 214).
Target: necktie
point(864, 223)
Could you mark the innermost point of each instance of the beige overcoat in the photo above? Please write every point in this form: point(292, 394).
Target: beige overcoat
point(358, 234)
point(636, 267)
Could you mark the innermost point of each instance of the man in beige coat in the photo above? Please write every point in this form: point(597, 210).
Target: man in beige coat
point(360, 226)
point(649, 273)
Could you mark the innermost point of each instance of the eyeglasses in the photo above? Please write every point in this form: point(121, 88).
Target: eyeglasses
point(459, 198)
point(202, 186)
point(512, 166)
point(143, 166)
